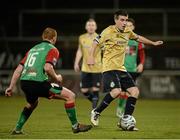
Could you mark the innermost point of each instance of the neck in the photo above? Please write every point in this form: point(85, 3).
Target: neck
point(120, 30)
point(90, 34)
point(47, 40)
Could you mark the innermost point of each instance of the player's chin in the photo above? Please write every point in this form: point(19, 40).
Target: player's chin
point(123, 27)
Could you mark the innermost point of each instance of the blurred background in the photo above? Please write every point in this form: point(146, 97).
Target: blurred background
point(22, 23)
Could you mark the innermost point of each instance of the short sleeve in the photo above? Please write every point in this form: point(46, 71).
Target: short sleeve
point(141, 46)
point(100, 39)
point(79, 43)
point(52, 56)
point(24, 59)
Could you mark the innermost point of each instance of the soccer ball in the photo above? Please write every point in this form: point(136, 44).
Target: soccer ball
point(127, 122)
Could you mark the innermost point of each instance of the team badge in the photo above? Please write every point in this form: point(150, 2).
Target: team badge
point(112, 84)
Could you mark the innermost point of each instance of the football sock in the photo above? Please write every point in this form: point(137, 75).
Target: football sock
point(130, 106)
point(71, 112)
point(88, 95)
point(105, 102)
point(95, 99)
point(122, 102)
point(23, 118)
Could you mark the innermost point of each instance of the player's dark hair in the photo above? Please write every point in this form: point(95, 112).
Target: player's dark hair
point(120, 13)
point(91, 20)
point(131, 20)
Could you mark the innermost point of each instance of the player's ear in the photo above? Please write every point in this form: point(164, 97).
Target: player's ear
point(86, 26)
point(96, 27)
point(54, 40)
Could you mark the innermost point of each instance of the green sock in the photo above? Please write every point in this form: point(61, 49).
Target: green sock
point(71, 112)
point(23, 118)
point(122, 103)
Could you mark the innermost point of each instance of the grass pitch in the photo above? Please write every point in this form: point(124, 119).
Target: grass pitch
point(155, 118)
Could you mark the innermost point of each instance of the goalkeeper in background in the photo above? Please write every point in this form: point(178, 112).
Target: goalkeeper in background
point(90, 76)
point(134, 63)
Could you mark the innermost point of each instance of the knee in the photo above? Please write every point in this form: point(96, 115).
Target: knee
point(95, 89)
point(135, 92)
point(84, 90)
point(71, 97)
point(115, 92)
point(32, 106)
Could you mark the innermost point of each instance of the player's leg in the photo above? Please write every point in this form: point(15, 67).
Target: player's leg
point(86, 84)
point(87, 93)
point(96, 88)
point(25, 114)
point(95, 97)
point(69, 98)
point(112, 86)
point(129, 84)
point(122, 98)
point(28, 109)
point(131, 101)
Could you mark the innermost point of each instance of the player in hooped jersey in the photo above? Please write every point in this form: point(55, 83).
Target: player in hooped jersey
point(35, 70)
point(134, 63)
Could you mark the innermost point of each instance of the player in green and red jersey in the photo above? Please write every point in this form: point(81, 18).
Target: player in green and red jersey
point(134, 62)
point(35, 70)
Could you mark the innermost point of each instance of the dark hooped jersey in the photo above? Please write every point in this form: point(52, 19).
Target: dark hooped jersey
point(35, 60)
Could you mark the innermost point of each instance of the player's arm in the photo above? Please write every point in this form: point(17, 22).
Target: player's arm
point(144, 40)
point(77, 59)
point(148, 41)
point(57, 78)
point(51, 60)
point(96, 43)
point(16, 76)
point(141, 57)
point(14, 79)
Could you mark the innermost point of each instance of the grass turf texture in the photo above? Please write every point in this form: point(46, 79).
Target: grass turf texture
point(155, 119)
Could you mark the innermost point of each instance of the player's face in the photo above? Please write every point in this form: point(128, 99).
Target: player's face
point(91, 27)
point(121, 22)
point(130, 25)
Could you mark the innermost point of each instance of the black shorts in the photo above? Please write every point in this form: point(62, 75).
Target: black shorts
point(33, 90)
point(134, 75)
point(117, 79)
point(89, 80)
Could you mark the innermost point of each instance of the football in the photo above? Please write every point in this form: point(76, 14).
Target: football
point(128, 122)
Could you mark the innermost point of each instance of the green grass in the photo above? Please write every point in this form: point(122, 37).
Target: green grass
point(155, 119)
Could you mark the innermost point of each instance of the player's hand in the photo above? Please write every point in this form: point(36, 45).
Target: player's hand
point(59, 79)
point(157, 43)
point(76, 68)
point(90, 61)
point(8, 92)
point(140, 68)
